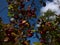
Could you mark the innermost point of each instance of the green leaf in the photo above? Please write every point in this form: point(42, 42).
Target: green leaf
point(49, 13)
point(10, 14)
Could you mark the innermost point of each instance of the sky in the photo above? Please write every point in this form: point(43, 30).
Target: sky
point(53, 6)
point(5, 18)
point(4, 11)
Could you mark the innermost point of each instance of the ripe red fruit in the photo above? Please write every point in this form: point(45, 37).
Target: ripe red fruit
point(22, 5)
point(16, 16)
point(11, 38)
point(42, 32)
point(30, 35)
point(10, 30)
point(28, 31)
point(23, 12)
point(29, 11)
point(43, 40)
point(8, 35)
point(20, 24)
point(29, 14)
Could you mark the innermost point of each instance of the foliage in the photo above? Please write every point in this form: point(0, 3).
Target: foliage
point(49, 28)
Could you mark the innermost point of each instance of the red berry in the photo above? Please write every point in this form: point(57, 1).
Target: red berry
point(43, 40)
point(42, 32)
point(29, 14)
point(20, 21)
point(22, 5)
point(29, 11)
point(23, 12)
point(10, 30)
point(30, 35)
point(28, 31)
point(8, 35)
point(20, 24)
point(16, 16)
point(28, 7)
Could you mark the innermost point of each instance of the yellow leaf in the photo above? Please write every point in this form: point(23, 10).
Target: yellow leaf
point(33, 30)
point(37, 43)
point(13, 34)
